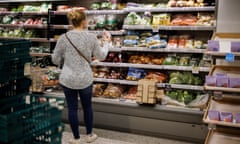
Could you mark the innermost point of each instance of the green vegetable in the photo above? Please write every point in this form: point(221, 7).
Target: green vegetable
point(171, 60)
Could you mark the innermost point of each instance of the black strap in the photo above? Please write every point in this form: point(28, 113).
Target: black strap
point(77, 49)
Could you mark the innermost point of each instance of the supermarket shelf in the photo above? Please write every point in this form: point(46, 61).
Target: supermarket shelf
point(38, 26)
point(223, 105)
point(223, 89)
point(93, 12)
point(22, 13)
point(31, 39)
point(105, 12)
point(156, 28)
point(127, 82)
point(117, 81)
point(61, 27)
point(4, 1)
point(187, 87)
point(59, 12)
point(39, 54)
point(175, 50)
point(223, 135)
point(228, 124)
point(114, 49)
point(150, 66)
point(116, 32)
point(123, 102)
point(171, 9)
point(222, 54)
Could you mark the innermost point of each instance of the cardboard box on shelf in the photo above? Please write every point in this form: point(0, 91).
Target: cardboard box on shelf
point(146, 92)
point(228, 42)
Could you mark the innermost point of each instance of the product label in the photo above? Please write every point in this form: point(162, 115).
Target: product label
point(213, 45)
point(230, 57)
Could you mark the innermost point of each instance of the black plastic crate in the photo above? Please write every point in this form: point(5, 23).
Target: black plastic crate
point(51, 134)
point(13, 69)
point(10, 49)
point(27, 119)
point(18, 122)
point(14, 87)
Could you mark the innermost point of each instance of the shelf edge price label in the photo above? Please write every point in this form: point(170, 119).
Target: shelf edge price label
point(195, 69)
point(218, 94)
point(230, 57)
point(168, 86)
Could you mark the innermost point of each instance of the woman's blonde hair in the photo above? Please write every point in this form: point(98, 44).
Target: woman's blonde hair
point(76, 16)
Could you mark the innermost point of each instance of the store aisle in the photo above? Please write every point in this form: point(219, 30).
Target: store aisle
point(113, 137)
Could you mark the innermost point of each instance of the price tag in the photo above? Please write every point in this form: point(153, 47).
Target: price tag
point(195, 69)
point(155, 28)
point(230, 57)
point(218, 94)
point(168, 86)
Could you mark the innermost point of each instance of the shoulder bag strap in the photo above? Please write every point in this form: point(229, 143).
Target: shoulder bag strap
point(80, 54)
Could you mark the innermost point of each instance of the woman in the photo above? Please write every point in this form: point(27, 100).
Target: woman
point(76, 77)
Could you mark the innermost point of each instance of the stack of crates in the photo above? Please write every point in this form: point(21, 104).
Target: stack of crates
point(25, 118)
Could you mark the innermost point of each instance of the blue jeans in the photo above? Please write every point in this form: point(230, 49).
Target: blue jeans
point(72, 102)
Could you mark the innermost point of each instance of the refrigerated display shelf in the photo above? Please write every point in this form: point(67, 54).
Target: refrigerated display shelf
point(22, 13)
point(222, 89)
point(171, 9)
point(157, 28)
point(10, 1)
point(31, 39)
point(150, 66)
point(39, 54)
point(33, 26)
point(105, 12)
point(92, 12)
point(222, 54)
point(172, 50)
point(161, 85)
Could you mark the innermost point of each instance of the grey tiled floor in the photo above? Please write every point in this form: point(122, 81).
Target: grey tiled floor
point(114, 137)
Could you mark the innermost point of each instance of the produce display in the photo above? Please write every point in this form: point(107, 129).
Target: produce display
point(157, 40)
point(51, 77)
point(185, 41)
point(146, 59)
point(33, 8)
point(113, 91)
point(185, 78)
point(182, 60)
point(202, 19)
point(18, 33)
point(105, 5)
point(10, 19)
point(185, 98)
point(135, 74)
point(171, 3)
point(131, 93)
point(40, 49)
point(158, 76)
point(181, 95)
point(109, 73)
point(108, 22)
point(114, 57)
point(98, 89)
point(145, 39)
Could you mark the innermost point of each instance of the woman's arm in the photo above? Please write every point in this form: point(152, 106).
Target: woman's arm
point(100, 51)
point(58, 53)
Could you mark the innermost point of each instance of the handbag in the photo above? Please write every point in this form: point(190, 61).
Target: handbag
point(80, 54)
